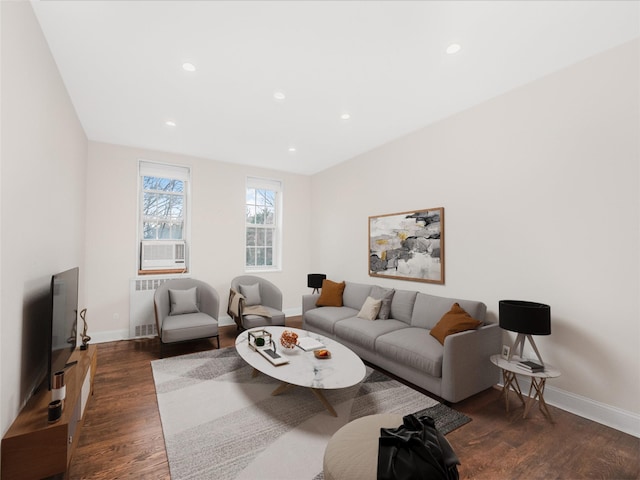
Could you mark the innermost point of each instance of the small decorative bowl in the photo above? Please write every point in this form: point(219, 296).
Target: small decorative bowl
point(289, 339)
point(322, 354)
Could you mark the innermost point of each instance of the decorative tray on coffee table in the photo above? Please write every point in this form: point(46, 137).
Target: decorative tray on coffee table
point(259, 339)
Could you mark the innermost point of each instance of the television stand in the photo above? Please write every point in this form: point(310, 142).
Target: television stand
point(34, 448)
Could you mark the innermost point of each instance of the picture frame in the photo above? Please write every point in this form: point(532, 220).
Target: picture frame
point(506, 349)
point(408, 245)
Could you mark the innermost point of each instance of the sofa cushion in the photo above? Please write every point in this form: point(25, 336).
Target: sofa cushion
point(324, 319)
point(251, 294)
point(183, 301)
point(402, 305)
point(386, 295)
point(331, 294)
point(355, 294)
point(454, 321)
point(413, 347)
point(370, 309)
point(364, 332)
point(429, 309)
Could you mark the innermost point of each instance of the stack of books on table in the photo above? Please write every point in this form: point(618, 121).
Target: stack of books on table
point(308, 344)
point(529, 366)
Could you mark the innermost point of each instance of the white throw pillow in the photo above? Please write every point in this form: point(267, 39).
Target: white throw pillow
point(370, 309)
point(251, 294)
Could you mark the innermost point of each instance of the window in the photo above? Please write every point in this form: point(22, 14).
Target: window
point(263, 207)
point(164, 191)
point(163, 202)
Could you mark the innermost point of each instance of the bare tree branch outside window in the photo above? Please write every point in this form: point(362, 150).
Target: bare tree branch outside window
point(163, 202)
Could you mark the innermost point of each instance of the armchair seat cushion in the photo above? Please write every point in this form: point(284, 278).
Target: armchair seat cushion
point(252, 321)
point(176, 328)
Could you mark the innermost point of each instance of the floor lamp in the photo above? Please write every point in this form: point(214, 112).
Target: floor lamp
point(526, 319)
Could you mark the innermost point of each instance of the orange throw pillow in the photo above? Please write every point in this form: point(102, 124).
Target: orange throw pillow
point(454, 321)
point(331, 294)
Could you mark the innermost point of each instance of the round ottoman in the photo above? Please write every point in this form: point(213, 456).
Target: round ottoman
point(352, 452)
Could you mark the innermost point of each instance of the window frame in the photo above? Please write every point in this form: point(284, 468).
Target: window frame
point(172, 172)
point(275, 186)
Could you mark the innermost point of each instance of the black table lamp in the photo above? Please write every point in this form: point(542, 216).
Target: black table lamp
point(314, 280)
point(526, 319)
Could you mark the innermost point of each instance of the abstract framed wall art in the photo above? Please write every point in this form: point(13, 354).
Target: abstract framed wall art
point(408, 245)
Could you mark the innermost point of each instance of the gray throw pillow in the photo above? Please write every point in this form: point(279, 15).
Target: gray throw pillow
point(183, 301)
point(251, 294)
point(386, 295)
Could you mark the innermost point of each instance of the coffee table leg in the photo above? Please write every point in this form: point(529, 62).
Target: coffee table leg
point(283, 387)
point(324, 401)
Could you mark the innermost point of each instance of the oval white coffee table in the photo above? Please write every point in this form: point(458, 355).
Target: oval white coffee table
point(344, 368)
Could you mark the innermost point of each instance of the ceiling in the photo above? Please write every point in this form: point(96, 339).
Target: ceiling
point(383, 62)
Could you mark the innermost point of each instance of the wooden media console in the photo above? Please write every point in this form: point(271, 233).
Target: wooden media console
point(33, 447)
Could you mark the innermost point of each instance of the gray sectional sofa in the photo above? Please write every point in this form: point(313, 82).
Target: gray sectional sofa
point(402, 344)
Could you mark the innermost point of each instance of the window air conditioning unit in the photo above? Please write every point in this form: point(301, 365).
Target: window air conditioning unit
point(162, 254)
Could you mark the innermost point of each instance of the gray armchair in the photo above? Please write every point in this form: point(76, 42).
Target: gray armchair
point(186, 309)
point(255, 302)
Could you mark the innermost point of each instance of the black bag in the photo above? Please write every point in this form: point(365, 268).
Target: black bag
point(415, 450)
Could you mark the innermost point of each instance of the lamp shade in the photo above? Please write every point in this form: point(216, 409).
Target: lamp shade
point(314, 280)
point(525, 317)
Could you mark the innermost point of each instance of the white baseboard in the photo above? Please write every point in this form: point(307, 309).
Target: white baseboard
point(110, 336)
point(614, 417)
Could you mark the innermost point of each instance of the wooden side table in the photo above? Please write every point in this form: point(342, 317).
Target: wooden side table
point(510, 370)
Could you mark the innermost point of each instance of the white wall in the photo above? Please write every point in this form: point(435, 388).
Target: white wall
point(217, 231)
point(43, 152)
point(541, 194)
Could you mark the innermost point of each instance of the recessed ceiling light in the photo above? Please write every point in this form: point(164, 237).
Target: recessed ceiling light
point(279, 95)
point(453, 48)
point(345, 116)
point(189, 67)
point(292, 149)
point(170, 123)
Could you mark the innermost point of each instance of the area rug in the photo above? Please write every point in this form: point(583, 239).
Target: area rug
point(220, 422)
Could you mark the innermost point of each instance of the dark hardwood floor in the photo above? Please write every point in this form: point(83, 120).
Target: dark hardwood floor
point(122, 434)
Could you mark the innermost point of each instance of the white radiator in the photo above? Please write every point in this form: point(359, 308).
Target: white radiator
point(142, 320)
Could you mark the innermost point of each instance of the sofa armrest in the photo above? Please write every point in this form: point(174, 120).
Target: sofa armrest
point(466, 368)
point(309, 301)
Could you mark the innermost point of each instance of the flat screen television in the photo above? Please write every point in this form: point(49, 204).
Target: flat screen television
point(64, 320)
